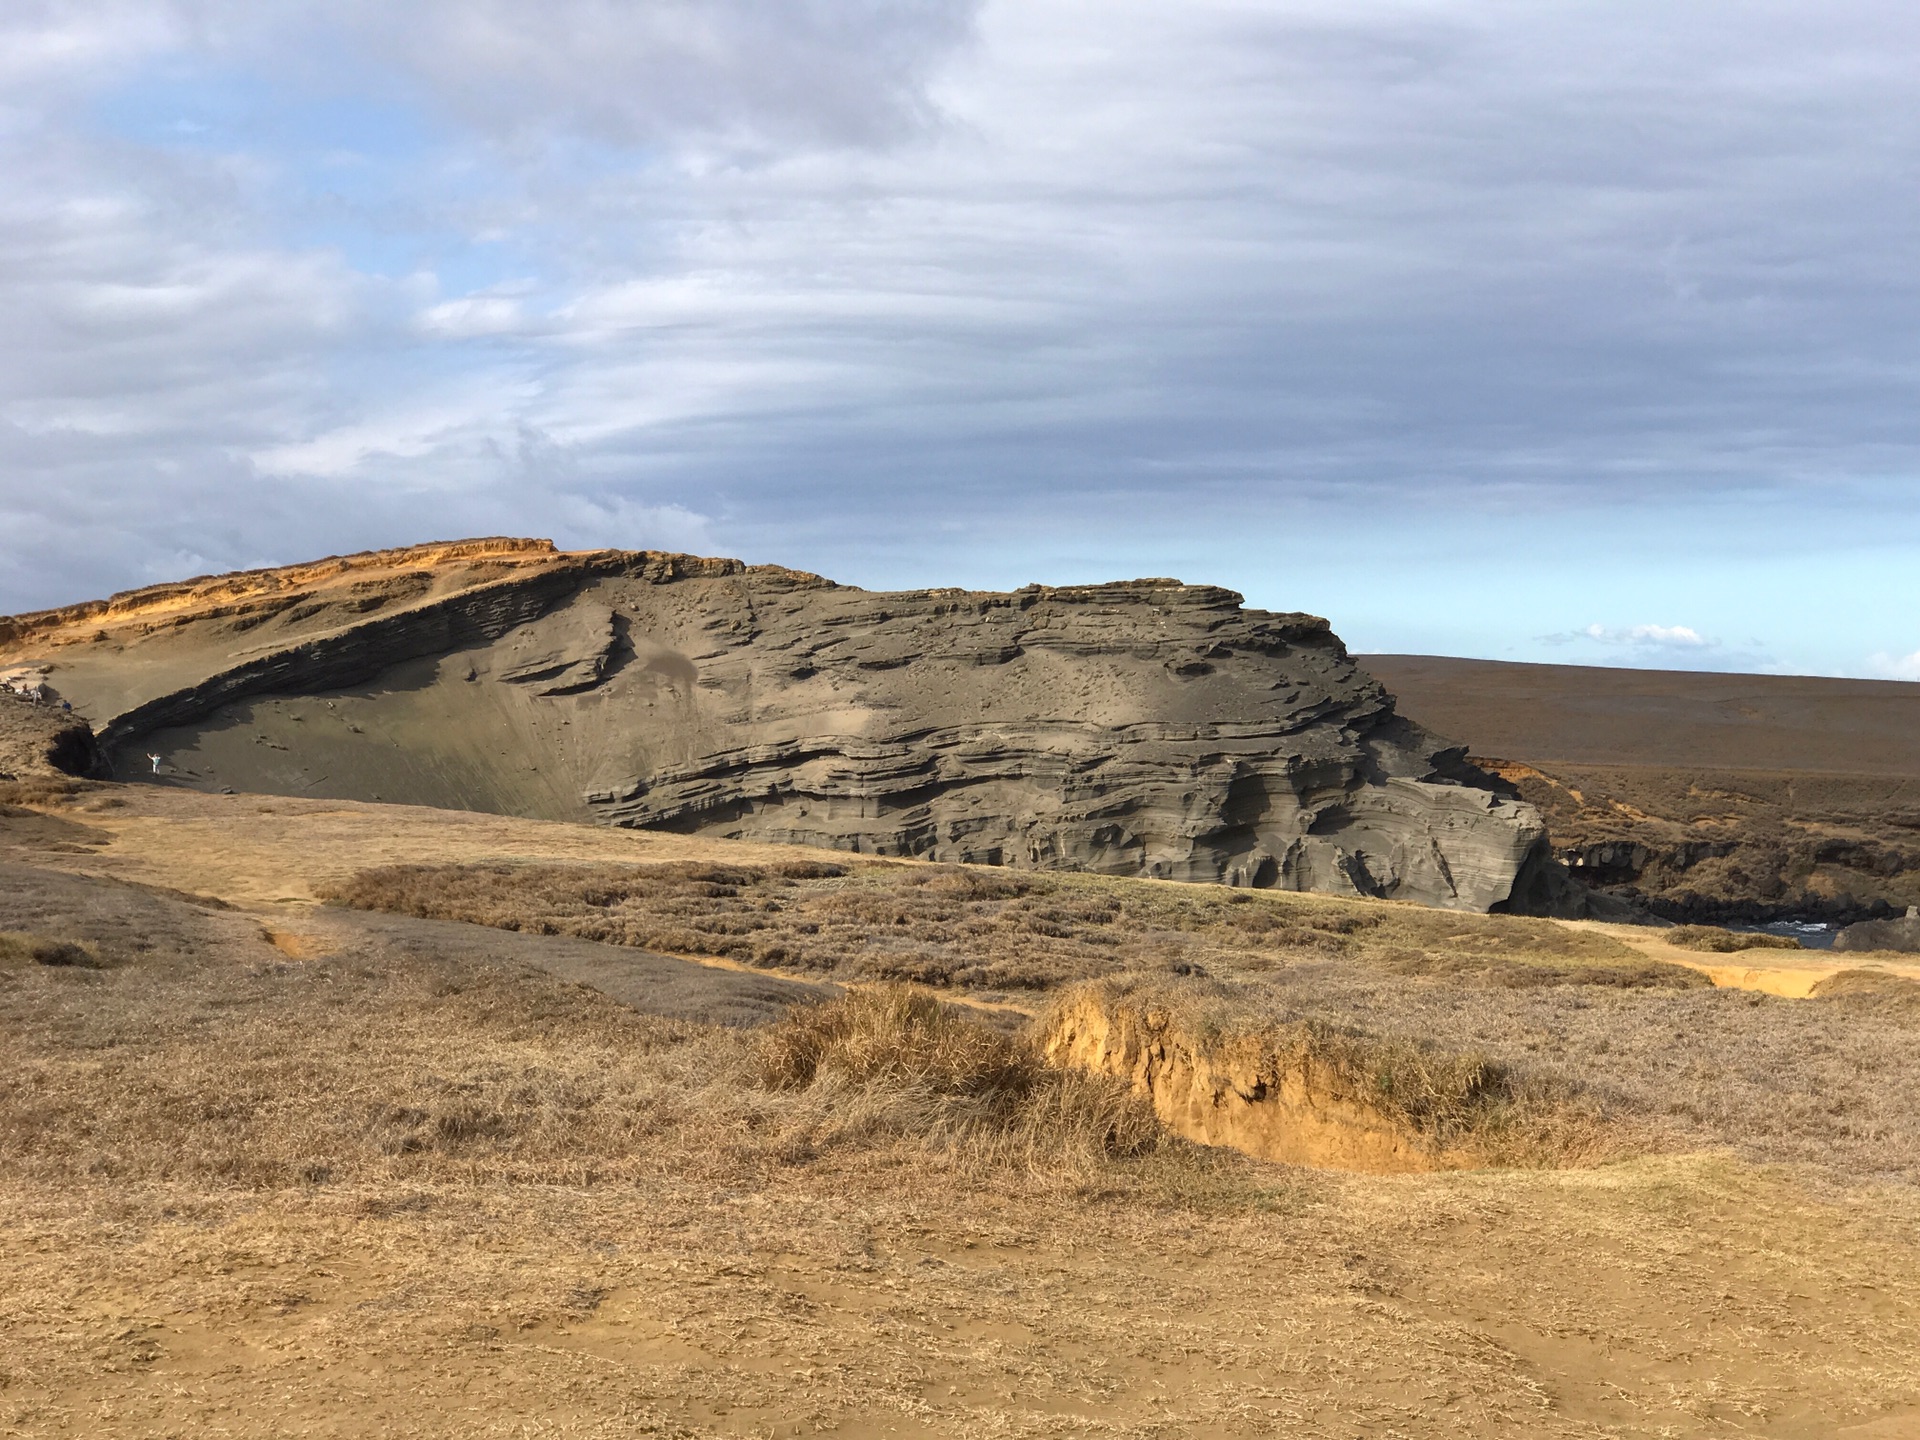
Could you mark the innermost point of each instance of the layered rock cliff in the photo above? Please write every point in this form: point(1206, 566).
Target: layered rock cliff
point(1146, 727)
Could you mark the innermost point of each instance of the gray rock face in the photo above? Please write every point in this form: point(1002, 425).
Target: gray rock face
point(1146, 727)
point(1902, 934)
point(1139, 728)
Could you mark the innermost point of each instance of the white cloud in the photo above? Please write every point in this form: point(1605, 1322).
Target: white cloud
point(1673, 637)
point(1683, 647)
point(1894, 667)
point(832, 276)
point(745, 75)
point(476, 315)
point(612, 521)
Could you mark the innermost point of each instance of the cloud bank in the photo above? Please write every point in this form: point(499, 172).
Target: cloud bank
point(974, 292)
point(1897, 667)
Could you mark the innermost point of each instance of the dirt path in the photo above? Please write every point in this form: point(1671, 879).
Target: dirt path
point(1789, 973)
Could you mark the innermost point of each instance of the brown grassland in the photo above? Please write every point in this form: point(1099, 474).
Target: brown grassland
point(269, 1167)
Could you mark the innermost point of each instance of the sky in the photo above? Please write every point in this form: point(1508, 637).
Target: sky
point(1577, 332)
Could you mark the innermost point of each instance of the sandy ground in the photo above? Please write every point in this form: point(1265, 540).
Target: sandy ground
point(1680, 1297)
point(1672, 1296)
point(1789, 973)
point(268, 852)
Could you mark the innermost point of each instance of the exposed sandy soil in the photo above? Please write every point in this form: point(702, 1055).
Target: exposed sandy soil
point(270, 851)
point(274, 1169)
point(1792, 973)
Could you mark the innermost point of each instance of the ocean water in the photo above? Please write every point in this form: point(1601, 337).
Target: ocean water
point(1814, 934)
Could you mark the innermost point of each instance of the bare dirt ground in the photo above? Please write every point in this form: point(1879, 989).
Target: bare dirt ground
point(269, 1168)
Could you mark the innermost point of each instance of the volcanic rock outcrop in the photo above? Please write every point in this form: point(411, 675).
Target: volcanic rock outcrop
point(1900, 934)
point(1146, 727)
point(39, 741)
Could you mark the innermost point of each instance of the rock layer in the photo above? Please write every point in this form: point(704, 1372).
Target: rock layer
point(1145, 727)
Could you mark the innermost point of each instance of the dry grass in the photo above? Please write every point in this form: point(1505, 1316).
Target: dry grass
point(1600, 1043)
point(419, 1191)
point(19, 947)
point(1874, 992)
point(207, 1057)
point(44, 789)
point(897, 1035)
point(987, 930)
point(1716, 941)
point(937, 1074)
point(1453, 1102)
point(1831, 1082)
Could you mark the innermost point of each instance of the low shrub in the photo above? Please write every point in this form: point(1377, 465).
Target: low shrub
point(1715, 940)
point(21, 948)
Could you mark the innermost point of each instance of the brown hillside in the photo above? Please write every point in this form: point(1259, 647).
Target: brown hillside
point(1670, 719)
point(1703, 796)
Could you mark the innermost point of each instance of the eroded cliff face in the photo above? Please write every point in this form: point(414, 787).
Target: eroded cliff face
point(1276, 1096)
point(39, 742)
point(1146, 727)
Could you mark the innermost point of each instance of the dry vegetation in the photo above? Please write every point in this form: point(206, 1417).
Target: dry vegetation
point(426, 1188)
point(1890, 997)
point(1602, 1050)
point(415, 1193)
point(1714, 940)
point(991, 930)
point(203, 1055)
point(22, 948)
point(954, 1082)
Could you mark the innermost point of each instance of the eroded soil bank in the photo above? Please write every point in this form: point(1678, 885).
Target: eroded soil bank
point(1300, 1112)
point(1219, 1072)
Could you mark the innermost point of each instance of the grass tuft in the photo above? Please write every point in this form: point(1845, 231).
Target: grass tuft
point(893, 1034)
point(1717, 941)
point(23, 948)
point(900, 1059)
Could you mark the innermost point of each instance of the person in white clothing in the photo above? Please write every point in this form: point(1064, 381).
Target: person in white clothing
point(156, 763)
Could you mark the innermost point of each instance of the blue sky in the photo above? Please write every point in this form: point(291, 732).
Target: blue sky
point(1584, 332)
